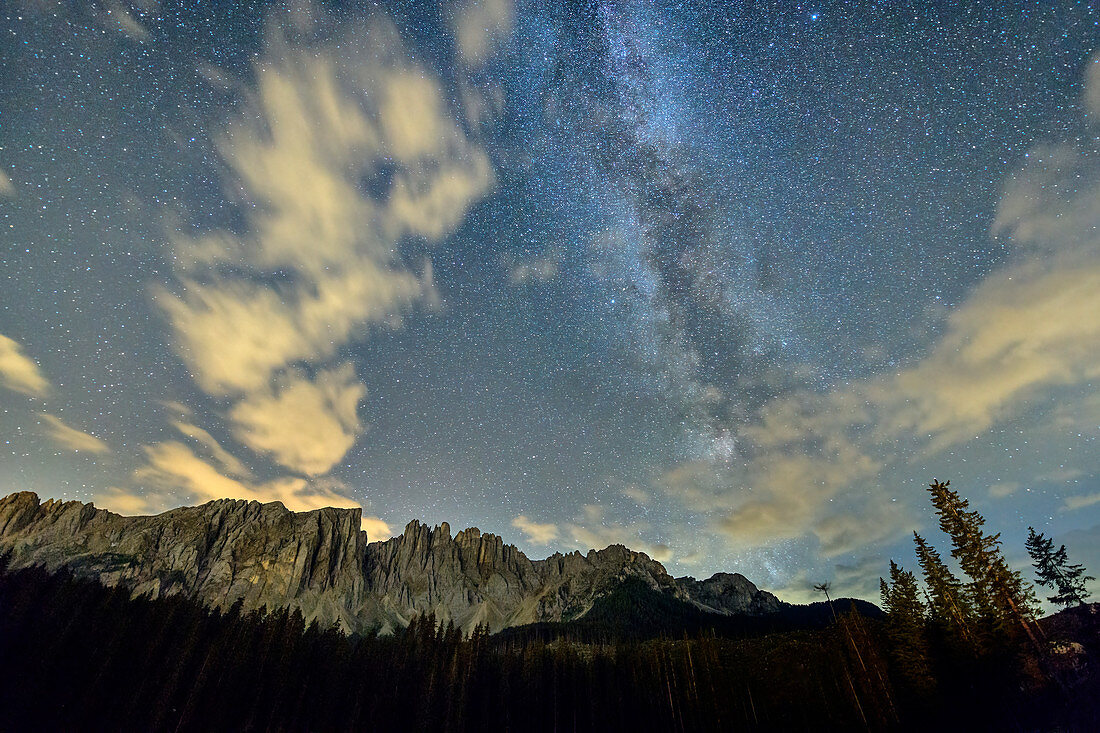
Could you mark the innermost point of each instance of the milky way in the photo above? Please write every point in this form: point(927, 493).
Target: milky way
point(726, 284)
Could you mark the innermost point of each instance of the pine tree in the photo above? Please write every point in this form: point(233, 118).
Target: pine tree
point(948, 603)
point(905, 617)
point(1052, 569)
point(1000, 593)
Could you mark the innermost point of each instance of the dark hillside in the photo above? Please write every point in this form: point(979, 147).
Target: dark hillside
point(81, 656)
point(634, 611)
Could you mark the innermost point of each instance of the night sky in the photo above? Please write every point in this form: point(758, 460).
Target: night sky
point(728, 283)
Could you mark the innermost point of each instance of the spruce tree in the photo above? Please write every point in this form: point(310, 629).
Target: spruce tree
point(905, 618)
point(1000, 593)
point(1052, 569)
point(948, 602)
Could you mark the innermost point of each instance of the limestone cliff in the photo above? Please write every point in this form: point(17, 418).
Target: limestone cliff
point(218, 552)
point(321, 562)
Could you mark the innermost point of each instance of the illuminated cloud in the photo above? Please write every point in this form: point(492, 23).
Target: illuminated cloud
point(1003, 489)
point(177, 409)
point(542, 269)
point(226, 461)
point(1081, 501)
point(175, 475)
point(306, 425)
point(235, 336)
point(1092, 88)
point(813, 460)
point(537, 534)
point(19, 372)
point(376, 529)
point(480, 26)
point(120, 19)
point(336, 159)
point(637, 494)
point(70, 438)
point(592, 530)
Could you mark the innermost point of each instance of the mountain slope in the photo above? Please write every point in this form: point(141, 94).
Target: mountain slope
point(321, 563)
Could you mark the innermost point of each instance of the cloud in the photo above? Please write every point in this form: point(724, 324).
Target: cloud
point(1003, 489)
point(376, 529)
point(1092, 88)
point(226, 461)
point(1072, 503)
point(812, 462)
point(537, 534)
point(120, 19)
point(175, 475)
point(177, 408)
point(480, 27)
point(71, 438)
point(592, 530)
point(692, 558)
point(806, 469)
point(637, 494)
point(859, 579)
point(199, 469)
point(1027, 328)
point(542, 269)
point(19, 372)
point(336, 160)
point(305, 424)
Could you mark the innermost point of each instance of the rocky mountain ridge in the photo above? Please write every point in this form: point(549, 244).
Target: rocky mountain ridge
point(322, 563)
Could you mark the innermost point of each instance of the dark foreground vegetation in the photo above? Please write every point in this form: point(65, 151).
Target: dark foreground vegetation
point(75, 655)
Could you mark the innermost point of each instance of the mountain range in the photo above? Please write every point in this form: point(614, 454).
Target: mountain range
point(322, 563)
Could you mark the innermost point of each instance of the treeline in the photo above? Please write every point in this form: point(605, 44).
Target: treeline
point(955, 655)
point(632, 611)
point(969, 644)
point(75, 655)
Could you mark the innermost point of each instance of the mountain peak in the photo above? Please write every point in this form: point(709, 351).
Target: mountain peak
point(321, 563)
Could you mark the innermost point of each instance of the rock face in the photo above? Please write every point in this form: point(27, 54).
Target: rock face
point(218, 552)
point(730, 594)
point(321, 563)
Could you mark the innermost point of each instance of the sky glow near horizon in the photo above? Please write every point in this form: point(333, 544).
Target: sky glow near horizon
point(728, 286)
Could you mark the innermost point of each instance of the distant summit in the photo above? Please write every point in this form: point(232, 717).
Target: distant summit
point(322, 563)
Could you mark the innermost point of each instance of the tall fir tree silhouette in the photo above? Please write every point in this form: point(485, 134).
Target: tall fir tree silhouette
point(1000, 593)
point(905, 623)
point(949, 603)
point(1053, 570)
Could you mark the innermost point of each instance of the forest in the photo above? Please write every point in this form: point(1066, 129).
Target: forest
point(75, 655)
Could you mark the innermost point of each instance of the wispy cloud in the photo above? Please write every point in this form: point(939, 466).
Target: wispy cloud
point(199, 469)
point(1003, 489)
point(120, 19)
point(19, 372)
point(540, 269)
point(594, 530)
point(70, 438)
point(376, 529)
point(813, 462)
point(480, 26)
point(174, 475)
point(1080, 501)
point(537, 534)
point(337, 159)
point(226, 461)
point(323, 407)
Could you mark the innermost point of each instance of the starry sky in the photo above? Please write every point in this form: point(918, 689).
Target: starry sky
point(728, 283)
